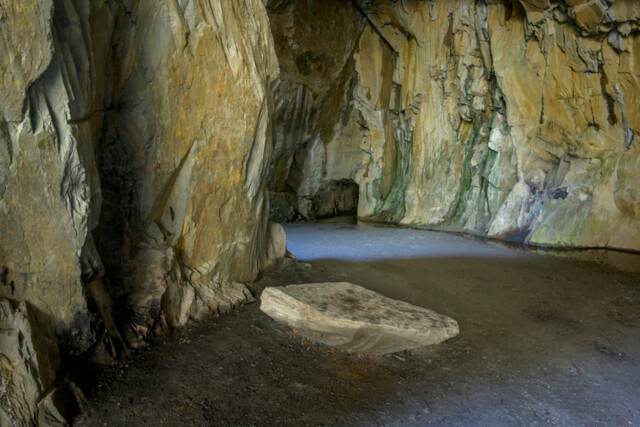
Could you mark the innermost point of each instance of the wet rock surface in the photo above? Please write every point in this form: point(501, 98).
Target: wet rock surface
point(135, 142)
point(466, 116)
point(355, 319)
point(138, 139)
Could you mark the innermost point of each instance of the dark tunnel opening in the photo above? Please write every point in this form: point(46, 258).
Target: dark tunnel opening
point(338, 198)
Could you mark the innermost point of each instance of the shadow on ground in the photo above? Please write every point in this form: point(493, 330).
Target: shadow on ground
point(543, 340)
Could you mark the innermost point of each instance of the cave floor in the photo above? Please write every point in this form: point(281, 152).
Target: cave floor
point(543, 340)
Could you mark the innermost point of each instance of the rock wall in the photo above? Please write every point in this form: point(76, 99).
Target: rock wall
point(512, 119)
point(135, 140)
point(315, 43)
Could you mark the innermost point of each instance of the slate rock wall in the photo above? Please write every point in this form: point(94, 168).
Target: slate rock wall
point(135, 140)
point(512, 119)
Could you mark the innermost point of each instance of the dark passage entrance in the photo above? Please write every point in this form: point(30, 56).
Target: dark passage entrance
point(337, 198)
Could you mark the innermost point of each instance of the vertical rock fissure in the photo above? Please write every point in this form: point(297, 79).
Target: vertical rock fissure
point(628, 132)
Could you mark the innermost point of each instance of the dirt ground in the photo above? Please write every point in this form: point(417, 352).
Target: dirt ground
point(544, 340)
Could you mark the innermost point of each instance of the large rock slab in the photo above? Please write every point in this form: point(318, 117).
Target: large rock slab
point(356, 319)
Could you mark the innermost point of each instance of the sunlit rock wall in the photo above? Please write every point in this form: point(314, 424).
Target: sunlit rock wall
point(135, 140)
point(184, 158)
point(513, 119)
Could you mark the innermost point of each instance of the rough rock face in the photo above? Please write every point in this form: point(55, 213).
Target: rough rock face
point(513, 119)
point(135, 140)
point(315, 43)
point(184, 157)
point(22, 395)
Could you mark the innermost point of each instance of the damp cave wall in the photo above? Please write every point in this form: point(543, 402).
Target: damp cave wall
point(510, 119)
point(142, 142)
point(135, 139)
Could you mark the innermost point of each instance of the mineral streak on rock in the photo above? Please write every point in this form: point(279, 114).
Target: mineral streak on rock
point(138, 139)
point(135, 141)
point(464, 115)
point(355, 319)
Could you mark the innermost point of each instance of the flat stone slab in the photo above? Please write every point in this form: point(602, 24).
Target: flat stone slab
point(355, 319)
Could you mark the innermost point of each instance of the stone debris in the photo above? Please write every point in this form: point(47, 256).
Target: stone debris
point(356, 319)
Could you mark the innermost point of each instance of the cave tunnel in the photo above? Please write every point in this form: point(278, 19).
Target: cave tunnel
point(319, 212)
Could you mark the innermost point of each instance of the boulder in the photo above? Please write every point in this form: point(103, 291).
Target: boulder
point(590, 14)
point(355, 319)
